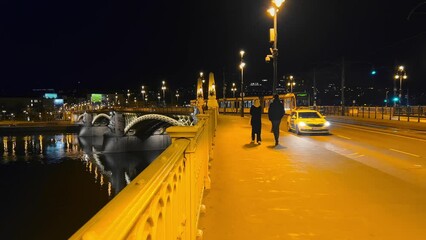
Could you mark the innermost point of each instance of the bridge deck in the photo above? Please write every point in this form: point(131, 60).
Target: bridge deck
point(289, 192)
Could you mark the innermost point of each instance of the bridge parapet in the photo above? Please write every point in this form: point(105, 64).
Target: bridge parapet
point(164, 201)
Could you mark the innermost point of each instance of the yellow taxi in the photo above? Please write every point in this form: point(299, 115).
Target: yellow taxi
point(307, 121)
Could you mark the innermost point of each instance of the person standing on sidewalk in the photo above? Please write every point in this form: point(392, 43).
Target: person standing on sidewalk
point(256, 122)
point(275, 113)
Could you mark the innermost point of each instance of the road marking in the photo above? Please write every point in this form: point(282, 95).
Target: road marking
point(389, 134)
point(343, 137)
point(414, 155)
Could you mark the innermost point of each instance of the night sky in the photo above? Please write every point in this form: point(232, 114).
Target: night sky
point(105, 45)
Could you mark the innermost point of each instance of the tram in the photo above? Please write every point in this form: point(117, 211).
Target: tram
point(291, 101)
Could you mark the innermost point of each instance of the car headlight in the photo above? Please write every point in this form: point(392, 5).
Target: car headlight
point(302, 124)
point(327, 123)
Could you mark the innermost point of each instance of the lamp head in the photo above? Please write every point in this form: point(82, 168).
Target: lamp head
point(278, 3)
point(272, 11)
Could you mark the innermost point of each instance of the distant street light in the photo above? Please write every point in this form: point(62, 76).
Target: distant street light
point(400, 74)
point(203, 81)
point(273, 33)
point(143, 92)
point(291, 83)
point(177, 97)
point(242, 65)
point(163, 87)
point(233, 89)
point(128, 96)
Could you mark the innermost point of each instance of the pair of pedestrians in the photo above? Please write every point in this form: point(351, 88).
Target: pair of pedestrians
point(275, 114)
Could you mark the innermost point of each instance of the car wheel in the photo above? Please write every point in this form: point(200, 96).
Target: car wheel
point(297, 130)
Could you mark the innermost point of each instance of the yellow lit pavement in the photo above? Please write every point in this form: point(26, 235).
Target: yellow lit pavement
point(294, 192)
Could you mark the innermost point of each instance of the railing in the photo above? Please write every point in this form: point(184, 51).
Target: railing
point(164, 201)
point(404, 113)
point(171, 110)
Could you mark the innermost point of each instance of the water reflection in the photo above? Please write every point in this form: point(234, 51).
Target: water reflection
point(38, 147)
point(103, 157)
point(67, 178)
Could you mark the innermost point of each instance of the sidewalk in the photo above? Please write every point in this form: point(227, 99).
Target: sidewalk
point(295, 192)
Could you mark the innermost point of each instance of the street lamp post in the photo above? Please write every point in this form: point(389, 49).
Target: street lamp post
point(143, 93)
point(177, 97)
point(400, 74)
point(242, 65)
point(163, 87)
point(128, 97)
point(274, 13)
point(291, 83)
point(202, 83)
point(233, 89)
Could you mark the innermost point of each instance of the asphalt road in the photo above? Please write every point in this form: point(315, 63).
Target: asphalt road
point(397, 152)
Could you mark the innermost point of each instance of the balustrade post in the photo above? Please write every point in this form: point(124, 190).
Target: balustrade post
point(197, 175)
point(408, 113)
point(419, 112)
point(383, 112)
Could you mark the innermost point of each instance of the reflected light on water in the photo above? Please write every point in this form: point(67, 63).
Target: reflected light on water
point(63, 167)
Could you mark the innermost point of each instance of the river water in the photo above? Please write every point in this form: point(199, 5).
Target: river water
point(51, 184)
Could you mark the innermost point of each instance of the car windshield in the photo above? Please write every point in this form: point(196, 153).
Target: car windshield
point(309, 115)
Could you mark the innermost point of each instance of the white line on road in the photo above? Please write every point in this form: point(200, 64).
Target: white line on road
point(389, 134)
point(414, 155)
point(343, 137)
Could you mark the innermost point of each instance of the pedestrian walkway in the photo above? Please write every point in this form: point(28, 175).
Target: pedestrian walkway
point(264, 192)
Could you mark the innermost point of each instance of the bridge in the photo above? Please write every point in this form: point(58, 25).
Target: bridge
point(219, 186)
point(365, 180)
point(132, 121)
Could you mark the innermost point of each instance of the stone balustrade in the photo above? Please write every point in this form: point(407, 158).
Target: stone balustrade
point(165, 200)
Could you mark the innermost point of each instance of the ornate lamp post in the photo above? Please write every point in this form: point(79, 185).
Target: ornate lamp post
point(276, 4)
point(400, 74)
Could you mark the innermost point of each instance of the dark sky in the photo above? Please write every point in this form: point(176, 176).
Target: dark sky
point(108, 45)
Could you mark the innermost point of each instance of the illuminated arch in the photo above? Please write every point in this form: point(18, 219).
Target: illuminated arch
point(99, 116)
point(158, 117)
point(80, 117)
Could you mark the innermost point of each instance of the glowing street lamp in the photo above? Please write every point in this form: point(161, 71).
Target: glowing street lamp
point(177, 97)
point(143, 92)
point(163, 87)
point(273, 11)
point(128, 96)
point(291, 83)
point(400, 74)
point(233, 89)
point(242, 65)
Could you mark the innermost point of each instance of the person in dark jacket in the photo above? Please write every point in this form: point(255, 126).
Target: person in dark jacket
point(256, 121)
point(275, 113)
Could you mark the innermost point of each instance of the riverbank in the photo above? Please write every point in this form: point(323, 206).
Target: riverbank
point(19, 127)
